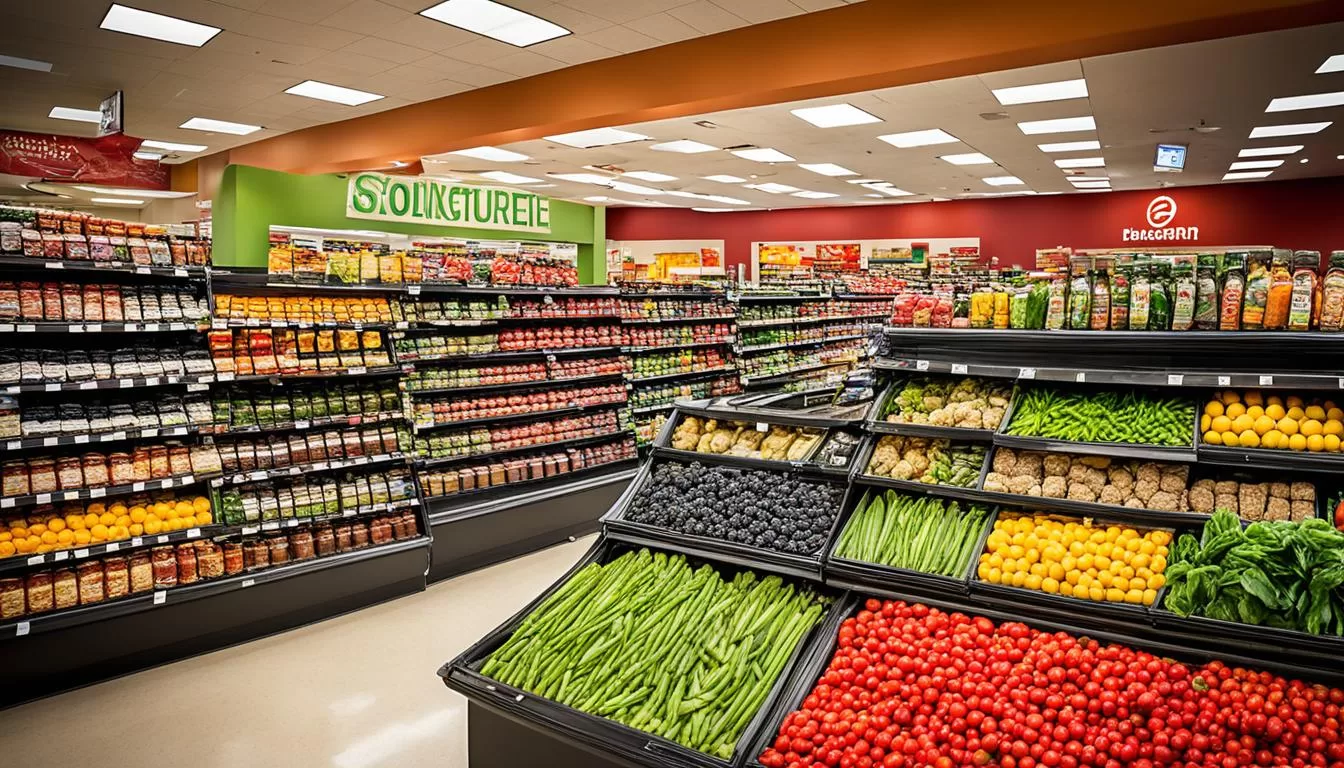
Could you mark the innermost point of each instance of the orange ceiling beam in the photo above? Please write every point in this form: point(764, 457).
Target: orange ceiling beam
point(874, 44)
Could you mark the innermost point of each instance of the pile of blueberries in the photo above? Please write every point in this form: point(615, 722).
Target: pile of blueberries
point(769, 510)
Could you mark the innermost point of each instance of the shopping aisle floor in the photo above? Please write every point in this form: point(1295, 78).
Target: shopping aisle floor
point(357, 691)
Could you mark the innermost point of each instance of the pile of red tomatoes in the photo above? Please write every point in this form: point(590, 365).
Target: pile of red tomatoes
point(913, 686)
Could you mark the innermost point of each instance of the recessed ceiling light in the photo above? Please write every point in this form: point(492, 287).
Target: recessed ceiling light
point(1245, 175)
point(635, 189)
point(582, 178)
point(969, 158)
point(1081, 162)
point(78, 115)
point(494, 154)
point(597, 137)
point(1250, 165)
point(505, 177)
point(597, 199)
point(773, 188)
point(724, 178)
point(728, 200)
point(1089, 178)
point(142, 155)
point(865, 181)
point(173, 146)
point(1070, 146)
point(117, 200)
point(835, 115)
point(649, 176)
point(1270, 151)
point(1333, 64)
point(219, 126)
point(485, 17)
point(684, 146)
point(919, 138)
point(1292, 129)
point(134, 21)
point(827, 169)
point(1103, 184)
point(713, 210)
point(1339, 157)
point(886, 189)
point(872, 194)
point(763, 155)
point(1003, 181)
point(19, 62)
point(1059, 125)
point(810, 195)
point(1304, 160)
point(335, 93)
point(1309, 101)
point(1031, 94)
point(151, 193)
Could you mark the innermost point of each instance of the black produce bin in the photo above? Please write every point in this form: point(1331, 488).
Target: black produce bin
point(969, 493)
point(874, 422)
point(463, 675)
point(808, 567)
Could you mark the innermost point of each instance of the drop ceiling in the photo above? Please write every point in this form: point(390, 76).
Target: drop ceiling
point(1209, 95)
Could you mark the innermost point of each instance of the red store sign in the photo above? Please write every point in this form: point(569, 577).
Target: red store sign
point(1160, 215)
point(108, 160)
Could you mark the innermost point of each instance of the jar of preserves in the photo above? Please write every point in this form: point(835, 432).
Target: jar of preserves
point(186, 564)
point(255, 554)
point(233, 558)
point(324, 540)
point(117, 577)
point(302, 545)
point(69, 473)
point(164, 564)
point(279, 550)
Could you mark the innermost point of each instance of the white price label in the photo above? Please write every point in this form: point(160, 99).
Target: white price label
point(959, 368)
point(358, 370)
point(69, 495)
point(136, 541)
point(76, 328)
point(193, 533)
point(14, 445)
point(761, 426)
point(21, 629)
point(142, 270)
point(921, 365)
point(252, 322)
point(88, 385)
point(1226, 381)
point(6, 327)
point(44, 498)
point(1080, 376)
point(1175, 379)
point(125, 383)
point(1266, 381)
point(250, 529)
point(81, 553)
point(97, 493)
point(94, 328)
point(259, 475)
point(180, 272)
point(149, 432)
point(224, 376)
point(163, 539)
point(160, 597)
point(79, 439)
point(26, 328)
point(37, 559)
point(53, 387)
point(218, 323)
point(271, 526)
point(118, 436)
point(152, 327)
point(413, 290)
point(1026, 373)
point(292, 523)
point(56, 557)
point(302, 424)
point(137, 487)
point(54, 265)
point(248, 582)
point(112, 546)
point(321, 465)
point(47, 442)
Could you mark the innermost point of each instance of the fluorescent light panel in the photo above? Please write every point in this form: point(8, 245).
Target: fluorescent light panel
point(773, 188)
point(919, 138)
point(334, 93)
point(1292, 129)
point(724, 178)
point(1003, 181)
point(1270, 151)
point(582, 178)
point(810, 195)
point(494, 154)
point(968, 158)
point(1058, 125)
point(134, 21)
point(505, 177)
point(634, 189)
point(827, 169)
point(173, 146)
point(597, 137)
point(1103, 184)
point(1309, 101)
point(1070, 146)
point(1032, 94)
point(1333, 64)
point(1245, 175)
point(684, 146)
point(219, 126)
point(1081, 162)
point(835, 115)
point(763, 155)
point(1076, 179)
point(157, 193)
point(649, 176)
point(713, 210)
point(78, 115)
point(886, 188)
point(18, 62)
point(728, 200)
point(117, 200)
point(500, 22)
point(1251, 165)
point(596, 199)
point(142, 155)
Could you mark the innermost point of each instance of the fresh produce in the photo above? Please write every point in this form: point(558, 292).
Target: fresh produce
point(559, 336)
point(761, 509)
point(1061, 556)
point(677, 335)
point(737, 438)
point(683, 361)
point(968, 402)
point(1277, 574)
point(1141, 485)
point(48, 529)
point(650, 642)
point(305, 309)
point(1102, 417)
point(648, 308)
point(921, 533)
point(1255, 501)
point(911, 686)
point(431, 412)
point(522, 469)
point(662, 394)
point(928, 460)
point(1251, 419)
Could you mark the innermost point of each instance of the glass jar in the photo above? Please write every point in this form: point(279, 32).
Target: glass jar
point(324, 540)
point(164, 564)
point(279, 550)
point(186, 564)
point(233, 558)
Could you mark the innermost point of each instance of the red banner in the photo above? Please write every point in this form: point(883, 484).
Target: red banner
point(107, 160)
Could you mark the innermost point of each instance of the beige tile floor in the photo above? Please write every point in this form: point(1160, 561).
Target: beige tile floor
point(357, 691)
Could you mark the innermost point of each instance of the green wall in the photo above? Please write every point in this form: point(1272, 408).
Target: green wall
point(251, 200)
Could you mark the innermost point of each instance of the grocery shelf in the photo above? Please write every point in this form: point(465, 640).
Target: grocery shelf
point(774, 322)
point(749, 414)
point(49, 441)
point(1185, 454)
point(173, 326)
point(1096, 375)
point(705, 372)
point(517, 354)
point(303, 469)
point(785, 375)
point(800, 343)
point(352, 372)
point(646, 409)
point(353, 325)
point(512, 417)
point(1266, 458)
point(865, 296)
point(104, 384)
point(16, 563)
point(573, 442)
point(679, 320)
point(445, 509)
point(417, 289)
point(763, 297)
point(60, 265)
point(748, 462)
point(267, 526)
point(679, 345)
point(672, 295)
point(958, 434)
point(56, 620)
point(302, 424)
point(512, 385)
point(179, 481)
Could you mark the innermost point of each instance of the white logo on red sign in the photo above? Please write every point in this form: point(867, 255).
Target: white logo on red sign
point(1161, 211)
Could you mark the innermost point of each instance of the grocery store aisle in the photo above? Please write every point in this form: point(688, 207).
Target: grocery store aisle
point(357, 691)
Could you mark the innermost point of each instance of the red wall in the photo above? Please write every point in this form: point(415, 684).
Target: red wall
point(1304, 214)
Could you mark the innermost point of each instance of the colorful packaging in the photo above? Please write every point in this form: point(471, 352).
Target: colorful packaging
point(1234, 290)
point(1302, 306)
point(1120, 280)
point(1080, 294)
point(1056, 310)
point(1101, 301)
point(1206, 293)
point(1280, 296)
point(1332, 295)
point(1256, 296)
point(1183, 294)
point(1001, 309)
point(1140, 296)
point(1159, 312)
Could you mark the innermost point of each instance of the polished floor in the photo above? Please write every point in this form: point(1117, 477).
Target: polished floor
point(357, 691)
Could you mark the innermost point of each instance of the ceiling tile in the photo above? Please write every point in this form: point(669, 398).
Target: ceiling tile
point(367, 17)
point(707, 17)
point(306, 11)
point(386, 49)
point(818, 5)
point(246, 51)
point(759, 11)
point(425, 71)
point(621, 39)
point(575, 21)
point(573, 50)
point(250, 5)
point(480, 76)
point(425, 33)
point(621, 11)
point(663, 27)
point(527, 63)
point(343, 63)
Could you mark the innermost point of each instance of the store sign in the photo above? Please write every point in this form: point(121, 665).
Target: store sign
point(108, 160)
point(422, 200)
point(1160, 214)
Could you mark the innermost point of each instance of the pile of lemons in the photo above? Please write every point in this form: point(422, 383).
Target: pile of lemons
point(100, 522)
point(1251, 420)
point(1075, 559)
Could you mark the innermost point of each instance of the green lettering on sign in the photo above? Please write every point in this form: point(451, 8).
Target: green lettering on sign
point(442, 203)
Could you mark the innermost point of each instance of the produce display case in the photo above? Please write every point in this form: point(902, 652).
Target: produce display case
point(863, 462)
point(604, 736)
point(875, 420)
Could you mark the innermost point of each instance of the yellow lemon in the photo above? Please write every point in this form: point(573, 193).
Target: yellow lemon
point(1213, 408)
point(204, 518)
point(1255, 411)
point(1315, 412)
point(1275, 411)
point(1332, 443)
point(66, 537)
point(90, 520)
point(1243, 423)
point(1263, 425)
point(1298, 442)
point(1221, 424)
point(1235, 409)
point(1296, 412)
point(1311, 427)
point(1115, 595)
point(107, 518)
point(1230, 438)
point(99, 532)
point(1333, 427)
point(82, 536)
point(1230, 396)
point(1205, 421)
point(1213, 438)
point(138, 514)
point(1274, 400)
point(1315, 443)
point(1249, 439)
point(123, 520)
point(1333, 413)
point(1271, 439)
point(153, 526)
point(1293, 401)
point(1134, 596)
point(1253, 397)
point(136, 529)
point(1288, 425)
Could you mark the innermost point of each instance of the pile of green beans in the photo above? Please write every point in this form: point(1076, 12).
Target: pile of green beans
point(1103, 417)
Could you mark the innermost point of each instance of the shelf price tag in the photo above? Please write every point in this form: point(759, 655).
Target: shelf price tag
point(921, 365)
point(142, 270)
point(1226, 381)
point(54, 265)
point(56, 557)
point(136, 541)
point(26, 328)
point(247, 583)
point(47, 442)
point(1080, 376)
point(21, 629)
point(197, 387)
point(1266, 381)
point(112, 546)
point(80, 554)
point(193, 533)
point(180, 272)
point(97, 493)
point(761, 426)
point(37, 559)
point(358, 370)
point(1175, 379)
point(413, 290)
point(53, 387)
point(43, 498)
point(160, 597)
point(1026, 373)
point(80, 439)
point(959, 368)
point(224, 376)
point(94, 327)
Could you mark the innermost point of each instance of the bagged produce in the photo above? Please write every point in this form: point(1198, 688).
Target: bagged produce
point(1080, 296)
point(1280, 296)
point(982, 308)
point(1233, 292)
point(1101, 300)
point(1038, 299)
point(1256, 296)
point(1206, 293)
point(1159, 311)
point(1017, 312)
point(1120, 277)
point(1332, 294)
point(1302, 306)
point(1140, 296)
point(1001, 309)
point(1183, 296)
point(1056, 311)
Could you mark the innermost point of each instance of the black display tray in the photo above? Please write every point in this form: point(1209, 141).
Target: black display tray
point(74, 555)
point(1184, 453)
point(873, 421)
point(971, 493)
point(800, 343)
point(1268, 458)
point(573, 442)
point(106, 384)
point(108, 491)
point(679, 345)
point(50, 441)
point(607, 736)
point(175, 326)
point(56, 266)
point(488, 421)
point(661, 320)
point(679, 375)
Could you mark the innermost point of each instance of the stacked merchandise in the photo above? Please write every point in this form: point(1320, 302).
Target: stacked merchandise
point(175, 307)
point(94, 241)
point(446, 412)
point(482, 440)
point(268, 502)
point(797, 342)
point(515, 470)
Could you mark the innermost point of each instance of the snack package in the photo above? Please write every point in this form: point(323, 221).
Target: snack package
point(1101, 300)
point(1332, 295)
point(1234, 290)
point(1256, 296)
point(1080, 295)
point(1280, 296)
point(1120, 279)
point(1183, 294)
point(1056, 310)
point(1159, 312)
point(1206, 293)
point(1302, 305)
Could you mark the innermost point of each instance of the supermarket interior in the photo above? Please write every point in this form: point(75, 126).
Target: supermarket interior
point(672, 383)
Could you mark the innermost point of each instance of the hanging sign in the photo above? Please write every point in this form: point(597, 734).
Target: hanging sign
point(425, 200)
